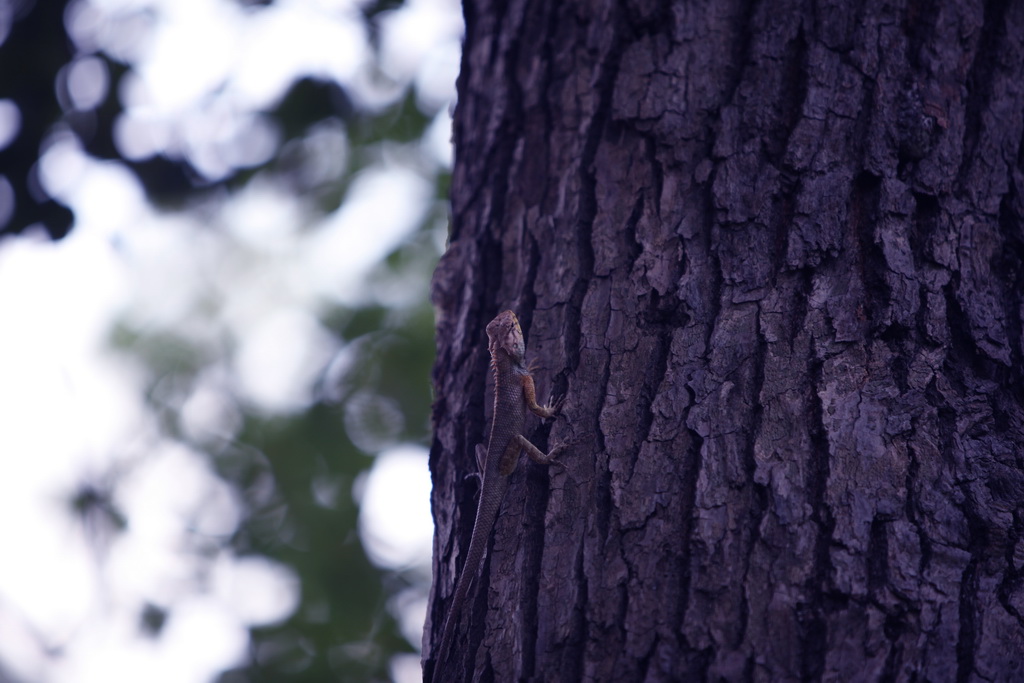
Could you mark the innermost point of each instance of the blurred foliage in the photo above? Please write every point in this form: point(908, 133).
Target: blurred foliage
point(307, 519)
point(294, 473)
point(40, 47)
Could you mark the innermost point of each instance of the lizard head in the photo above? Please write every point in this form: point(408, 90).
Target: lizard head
point(504, 333)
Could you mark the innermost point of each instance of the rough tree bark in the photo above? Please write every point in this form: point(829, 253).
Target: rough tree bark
point(773, 254)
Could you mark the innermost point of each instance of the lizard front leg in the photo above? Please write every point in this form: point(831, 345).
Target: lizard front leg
point(530, 396)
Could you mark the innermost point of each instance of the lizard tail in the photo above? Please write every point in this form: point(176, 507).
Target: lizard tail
point(461, 588)
point(486, 513)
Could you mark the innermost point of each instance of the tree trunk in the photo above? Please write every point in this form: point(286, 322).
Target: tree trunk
point(772, 253)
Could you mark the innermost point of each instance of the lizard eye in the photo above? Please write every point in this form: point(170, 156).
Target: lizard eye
point(514, 342)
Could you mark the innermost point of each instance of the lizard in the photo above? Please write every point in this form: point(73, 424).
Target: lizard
point(514, 393)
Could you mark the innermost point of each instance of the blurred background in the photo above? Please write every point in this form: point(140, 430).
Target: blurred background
point(218, 221)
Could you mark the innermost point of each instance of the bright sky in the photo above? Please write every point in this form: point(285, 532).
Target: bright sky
point(74, 409)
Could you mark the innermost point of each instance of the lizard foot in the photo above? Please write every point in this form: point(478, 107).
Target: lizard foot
point(552, 408)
